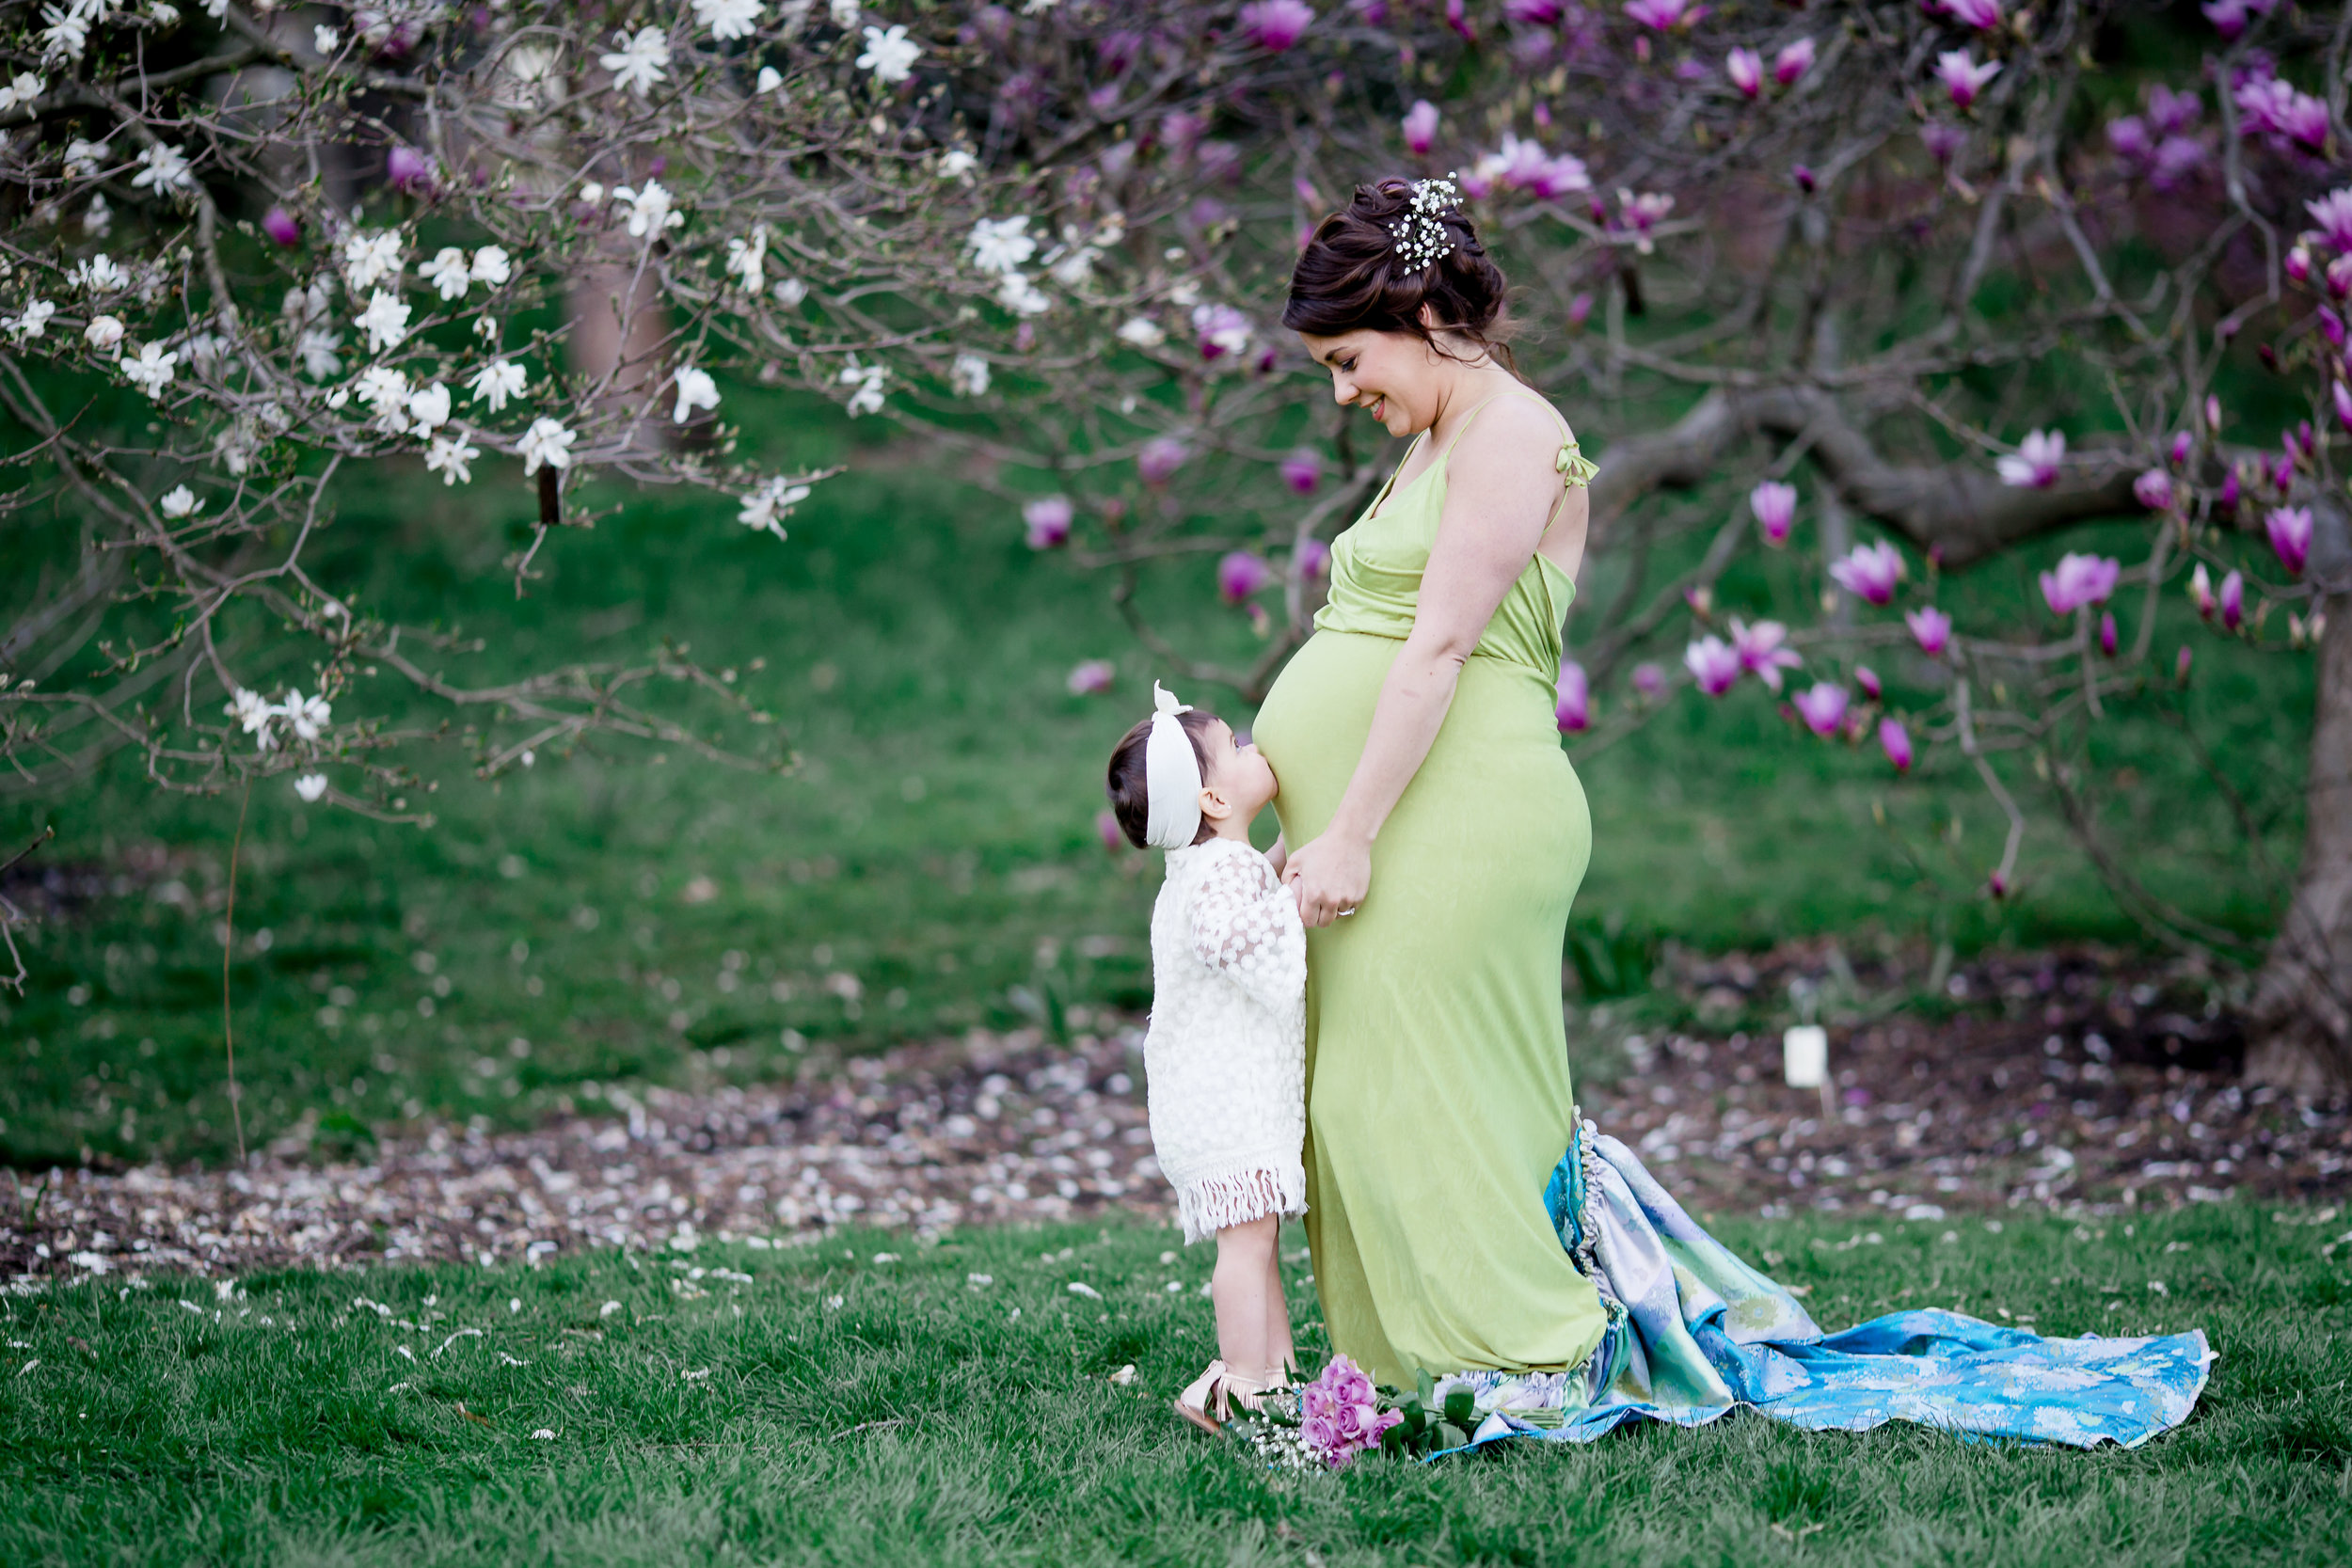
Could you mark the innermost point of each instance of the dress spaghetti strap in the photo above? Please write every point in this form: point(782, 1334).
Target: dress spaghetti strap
point(1574, 468)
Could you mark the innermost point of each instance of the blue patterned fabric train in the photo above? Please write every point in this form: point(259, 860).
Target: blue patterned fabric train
point(1695, 1332)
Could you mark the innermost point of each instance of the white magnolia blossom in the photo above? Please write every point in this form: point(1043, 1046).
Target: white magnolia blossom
point(307, 714)
point(447, 271)
point(325, 39)
point(33, 322)
point(492, 265)
point(97, 275)
point(81, 158)
point(1000, 245)
point(103, 333)
point(889, 54)
point(639, 61)
point(746, 258)
point(1073, 266)
point(310, 787)
point(496, 382)
point(385, 320)
point(842, 13)
point(768, 506)
point(956, 163)
point(869, 380)
point(1142, 331)
point(790, 292)
point(180, 501)
point(728, 19)
point(304, 306)
point(254, 715)
point(152, 370)
point(695, 389)
point(320, 361)
point(369, 258)
point(452, 458)
point(1016, 293)
point(547, 442)
point(968, 376)
point(428, 409)
point(386, 391)
point(96, 218)
point(21, 92)
point(770, 79)
point(649, 210)
point(204, 349)
point(64, 36)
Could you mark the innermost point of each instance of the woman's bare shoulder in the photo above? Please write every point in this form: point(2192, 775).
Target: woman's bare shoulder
point(1517, 428)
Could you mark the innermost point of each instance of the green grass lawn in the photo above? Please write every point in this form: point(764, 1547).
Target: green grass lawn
point(830, 1403)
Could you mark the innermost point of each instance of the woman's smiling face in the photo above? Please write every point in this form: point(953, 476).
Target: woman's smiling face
point(1391, 373)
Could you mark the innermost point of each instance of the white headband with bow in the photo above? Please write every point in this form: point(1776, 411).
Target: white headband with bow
point(1172, 777)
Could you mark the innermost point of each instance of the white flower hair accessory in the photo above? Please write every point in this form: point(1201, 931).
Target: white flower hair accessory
point(1421, 236)
point(1171, 776)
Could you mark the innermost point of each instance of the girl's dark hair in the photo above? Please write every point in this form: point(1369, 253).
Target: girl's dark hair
point(1131, 799)
point(1351, 277)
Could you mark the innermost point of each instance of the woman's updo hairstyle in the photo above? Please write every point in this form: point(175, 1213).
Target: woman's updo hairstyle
point(1356, 276)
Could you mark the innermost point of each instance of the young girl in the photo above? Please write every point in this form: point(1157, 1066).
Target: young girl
point(1225, 1056)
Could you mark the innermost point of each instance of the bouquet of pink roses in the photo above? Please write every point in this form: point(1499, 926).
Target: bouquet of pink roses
point(1339, 1416)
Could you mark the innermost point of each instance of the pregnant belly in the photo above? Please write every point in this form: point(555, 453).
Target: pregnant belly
point(1495, 771)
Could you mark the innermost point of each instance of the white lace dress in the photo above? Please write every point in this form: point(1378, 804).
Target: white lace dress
point(1225, 1058)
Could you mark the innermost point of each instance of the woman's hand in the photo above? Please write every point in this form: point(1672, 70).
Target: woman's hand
point(1330, 876)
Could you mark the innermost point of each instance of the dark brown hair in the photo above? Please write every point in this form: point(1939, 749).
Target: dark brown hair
point(1351, 277)
point(1131, 799)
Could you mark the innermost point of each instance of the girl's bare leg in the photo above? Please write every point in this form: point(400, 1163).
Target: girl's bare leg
point(1277, 1324)
point(1245, 1260)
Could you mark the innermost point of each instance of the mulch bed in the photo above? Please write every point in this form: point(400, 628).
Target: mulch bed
point(2076, 1082)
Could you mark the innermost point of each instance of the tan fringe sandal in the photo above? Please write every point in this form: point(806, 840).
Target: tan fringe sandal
point(1208, 1402)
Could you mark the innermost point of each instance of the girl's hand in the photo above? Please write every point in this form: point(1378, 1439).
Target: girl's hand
point(1330, 876)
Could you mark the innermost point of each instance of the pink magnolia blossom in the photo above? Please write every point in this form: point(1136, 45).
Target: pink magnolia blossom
point(1963, 77)
point(2079, 580)
point(1804, 177)
point(1701, 598)
point(1643, 211)
point(1580, 309)
point(1276, 24)
point(1241, 574)
point(2154, 490)
point(1664, 15)
point(2298, 264)
point(2332, 328)
point(1822, 706)
point(2232, 491)
point(1220, 331)
point(1106, 827)
point(1745, 68)
point(279, 225)
point(1760, 651)
point(1867, 678)
point(1775, 508)
point(2200, 591)
point(1048, 518)
point(1648, 680)
point(2274, 107)
point(1793, 61)
point(2180, 665)
point(2181, 446)
point(1420, 126)
point(1311, 558)
point(2227, 16)
point(2342, 396)
point(1932, 627)
point(1712, 664)
point(1896, 741)
point(1983, 15)
point(2339, 278)
point(1089, 678)
point(1159, 459)
point(1573, 709)
point(1302, 470)
point(409, 171)
point(2233, 601)
point(2128, 136)
point(2333, 214)
point(1943, 141)
point(2035, 464)
point(2107, 634)
point(1870, 572)
point(2172, 112)
point(1533, 13)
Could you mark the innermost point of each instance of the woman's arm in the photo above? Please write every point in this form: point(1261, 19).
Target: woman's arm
point(1501, 489)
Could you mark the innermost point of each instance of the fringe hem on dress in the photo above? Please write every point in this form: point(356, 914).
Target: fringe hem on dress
point(1208, 1204)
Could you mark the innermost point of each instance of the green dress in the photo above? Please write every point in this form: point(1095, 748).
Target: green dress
point(1438, 1093)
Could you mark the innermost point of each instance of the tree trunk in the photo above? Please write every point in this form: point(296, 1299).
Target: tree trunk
point(2302, 1012)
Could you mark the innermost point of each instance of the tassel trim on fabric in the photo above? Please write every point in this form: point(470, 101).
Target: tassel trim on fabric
point(1208, 1204)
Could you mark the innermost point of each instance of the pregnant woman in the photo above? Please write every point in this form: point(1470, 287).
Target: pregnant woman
point(1462, 1220)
